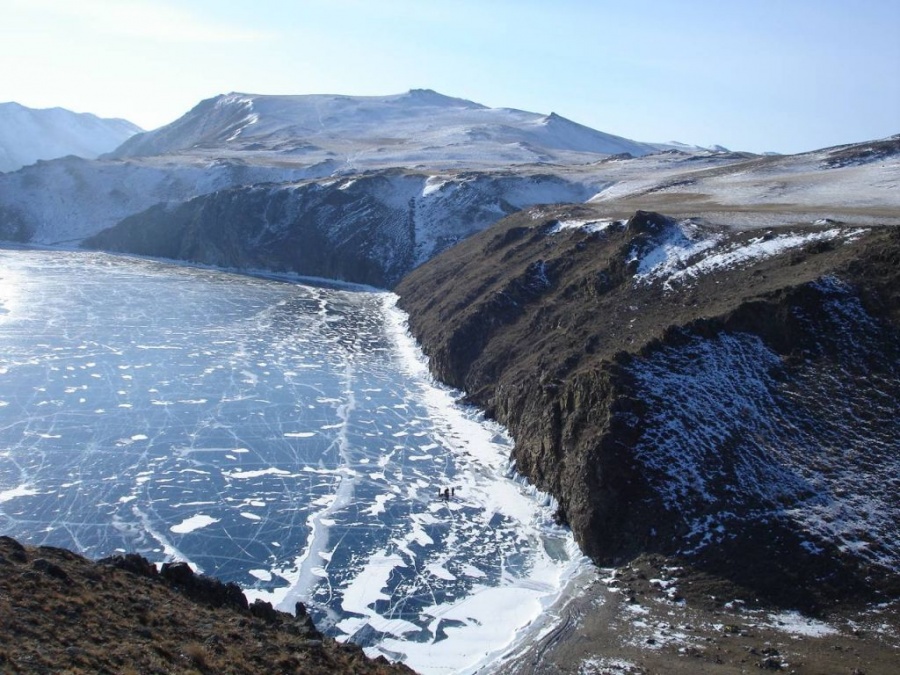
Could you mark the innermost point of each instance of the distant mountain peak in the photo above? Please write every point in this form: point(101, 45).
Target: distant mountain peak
point(400, 130)
point(30, 134)
point(434, 98)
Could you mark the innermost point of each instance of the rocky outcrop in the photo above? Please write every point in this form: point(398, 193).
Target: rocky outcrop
point(676, 388)
point(60, 612)
point(214, 593)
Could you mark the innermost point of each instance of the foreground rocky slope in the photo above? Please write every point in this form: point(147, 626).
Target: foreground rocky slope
point(729, 398)
point(62, 613)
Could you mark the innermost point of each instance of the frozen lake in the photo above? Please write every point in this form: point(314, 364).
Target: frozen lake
point(283, 436)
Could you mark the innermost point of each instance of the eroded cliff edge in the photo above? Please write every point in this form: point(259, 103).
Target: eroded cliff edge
point(729, 398)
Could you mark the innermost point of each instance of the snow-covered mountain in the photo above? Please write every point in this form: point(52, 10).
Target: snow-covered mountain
point(857, 183)
point(719, 386)
point(284, 154)
point(28, 134)
point(239, 140)
point(420, 126)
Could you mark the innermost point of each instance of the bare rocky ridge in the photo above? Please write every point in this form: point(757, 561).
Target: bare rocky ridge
point(60, 612)
point(690, 411)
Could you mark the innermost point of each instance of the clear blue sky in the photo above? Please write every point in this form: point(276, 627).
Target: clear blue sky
point(785, 75)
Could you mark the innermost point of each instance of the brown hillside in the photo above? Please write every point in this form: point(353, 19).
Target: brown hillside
point(62, 613)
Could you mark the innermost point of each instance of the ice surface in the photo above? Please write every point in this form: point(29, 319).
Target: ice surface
point(285, 437)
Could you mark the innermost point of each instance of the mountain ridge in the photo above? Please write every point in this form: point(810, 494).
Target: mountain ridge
point(29, 134)
point(279, 123)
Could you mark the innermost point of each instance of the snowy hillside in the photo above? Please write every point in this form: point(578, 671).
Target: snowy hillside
point(27, 134)
point(416, 127)
point(857, 183)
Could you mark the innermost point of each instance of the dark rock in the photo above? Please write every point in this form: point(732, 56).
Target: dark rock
point(770, 663)
point(344, 230)
point(178, 573)
point(264, 610)
point(648, 222)
point(207, 590)
point(50, 569)
point(558, 365)
point(13, 549)
point(131, 562)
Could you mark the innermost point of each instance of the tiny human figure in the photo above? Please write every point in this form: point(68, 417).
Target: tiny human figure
point(453, 492)
point(447, 494)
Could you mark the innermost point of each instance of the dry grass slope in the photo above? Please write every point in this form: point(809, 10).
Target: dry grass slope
point(61, 613)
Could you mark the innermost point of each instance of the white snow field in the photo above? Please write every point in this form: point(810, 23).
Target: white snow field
point(283, 436)
point(417, 127)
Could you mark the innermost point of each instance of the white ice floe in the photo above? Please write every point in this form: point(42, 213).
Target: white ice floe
point(256, 473)
point(18, 491)
point(193, 523)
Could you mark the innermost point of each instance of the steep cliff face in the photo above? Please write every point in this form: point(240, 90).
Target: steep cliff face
point(730, 397)
point(66, 200)
point(370, 229)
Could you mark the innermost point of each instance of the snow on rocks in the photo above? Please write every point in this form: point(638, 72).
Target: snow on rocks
point(731, 391)
point(589, 226)
point(685, 250)
point(797, 624)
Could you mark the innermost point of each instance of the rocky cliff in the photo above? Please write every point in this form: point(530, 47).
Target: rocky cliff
point(727, 397)
point(62, 613)
point(369, 229)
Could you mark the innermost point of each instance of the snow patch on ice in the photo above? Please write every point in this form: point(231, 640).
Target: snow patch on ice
point(18, 491)
point(193, 523)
